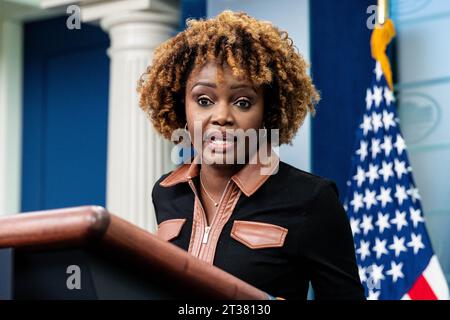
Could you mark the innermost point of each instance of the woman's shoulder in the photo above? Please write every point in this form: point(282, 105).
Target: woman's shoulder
point(310, 192)
point(305, 182)
point(157, 188)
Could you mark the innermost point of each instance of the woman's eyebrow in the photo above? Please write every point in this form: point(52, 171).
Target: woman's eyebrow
point(202, 83)
point(213, 85)
point(242, 85)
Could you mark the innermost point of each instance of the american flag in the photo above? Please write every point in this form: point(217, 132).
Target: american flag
point(393, 250)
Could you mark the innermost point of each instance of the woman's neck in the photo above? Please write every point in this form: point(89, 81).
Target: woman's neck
point(216, 177)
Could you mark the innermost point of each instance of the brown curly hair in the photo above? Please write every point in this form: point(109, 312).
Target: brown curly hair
point(252, 48)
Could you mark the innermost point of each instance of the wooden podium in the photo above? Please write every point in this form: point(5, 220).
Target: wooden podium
point(89, 253)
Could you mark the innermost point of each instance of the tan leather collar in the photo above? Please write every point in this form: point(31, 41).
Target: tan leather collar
point(248, 179)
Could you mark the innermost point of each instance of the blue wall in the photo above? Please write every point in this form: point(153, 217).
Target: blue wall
point(341, 69)
point(65, 108)
point(192, 9)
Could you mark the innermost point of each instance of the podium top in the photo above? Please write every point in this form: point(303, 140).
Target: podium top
point(94, 226)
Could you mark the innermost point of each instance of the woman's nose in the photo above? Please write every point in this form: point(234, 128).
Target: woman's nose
point(222, 115)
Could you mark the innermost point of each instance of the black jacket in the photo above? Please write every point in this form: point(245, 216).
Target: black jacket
point(277, 232)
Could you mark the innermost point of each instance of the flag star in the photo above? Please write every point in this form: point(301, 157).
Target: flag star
point(366, 224)
point(398, 245)
point(396, 271)
point(380, 247)
point(385, 196)
point(375, 148)
point(388, 96)
point(363, 249)
point(376, 274)
point(376, 121)
point(377, 95)
point(354, 224)
point(360, 176)
point(400, 193)
point(378, 71)
point(399, 220)
point(413, 193)
point(400, 144)
point(388, 120)
point(416, 216)
point(387, 145)
point(416, 242)
point(362, 274)
point(386, 170)
point(366, 125)
point(369, 198)
point(362, 151)
point(369, 99)
point(399, 168)
point(372, 173)
point(357, 201)
point(383, 222)
point(373, 295)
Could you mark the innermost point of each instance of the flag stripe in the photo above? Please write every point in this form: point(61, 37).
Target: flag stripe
point(436, 279)
point(422, 290)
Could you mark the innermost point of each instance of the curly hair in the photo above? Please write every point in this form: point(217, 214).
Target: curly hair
point(252, 48)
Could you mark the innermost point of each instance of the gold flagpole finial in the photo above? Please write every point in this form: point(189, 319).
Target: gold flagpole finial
point(383, 11)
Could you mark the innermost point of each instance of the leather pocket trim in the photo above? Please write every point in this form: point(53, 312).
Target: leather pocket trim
point(170, 229)
point(258, 235)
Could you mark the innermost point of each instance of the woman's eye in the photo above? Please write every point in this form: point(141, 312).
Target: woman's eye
point(243, 103)
point(204, 102)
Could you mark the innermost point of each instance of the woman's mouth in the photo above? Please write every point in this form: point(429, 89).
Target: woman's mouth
point(220, 142)
point(219, 145)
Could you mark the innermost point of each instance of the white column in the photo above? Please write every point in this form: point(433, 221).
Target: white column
point(10, 115)
point(137, 155)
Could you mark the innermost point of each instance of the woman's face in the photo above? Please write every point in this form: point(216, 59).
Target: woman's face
point(216, 109)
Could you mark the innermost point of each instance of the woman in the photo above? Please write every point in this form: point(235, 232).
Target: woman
point(275, 226)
